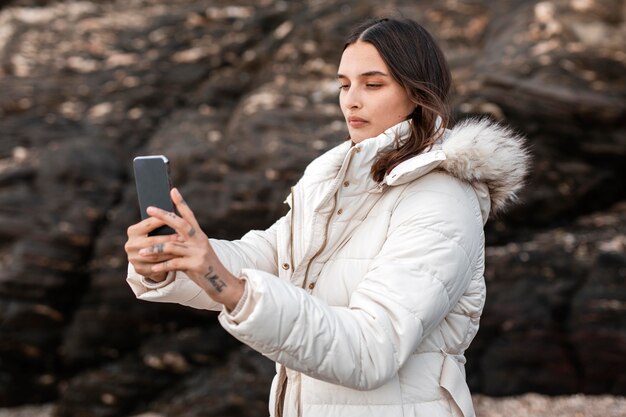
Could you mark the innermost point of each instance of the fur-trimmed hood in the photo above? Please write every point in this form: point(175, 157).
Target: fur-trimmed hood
point(478, 151)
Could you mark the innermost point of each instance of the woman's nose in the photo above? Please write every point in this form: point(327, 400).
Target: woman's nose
point(353, 99)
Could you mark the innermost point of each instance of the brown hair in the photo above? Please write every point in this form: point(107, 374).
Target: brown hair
point(418, 64)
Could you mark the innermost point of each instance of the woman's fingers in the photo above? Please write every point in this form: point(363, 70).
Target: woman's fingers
point(185, 211)
point(187, 225)
point(144, 227)
point(136, 243)
point(165, 248)
point(179, 252)
point(176, 264)
point(180, 225)
point(144, 269)
point(153, 240)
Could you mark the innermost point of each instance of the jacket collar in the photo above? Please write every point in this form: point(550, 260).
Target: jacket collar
point(478, 151)
point(360, 156)
point(405, 172)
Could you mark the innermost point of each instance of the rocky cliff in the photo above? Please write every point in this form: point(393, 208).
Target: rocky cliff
point(241, 96)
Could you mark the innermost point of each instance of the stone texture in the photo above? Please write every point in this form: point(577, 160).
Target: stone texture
point(553, 320)
point(241, 96)
point(520, 406)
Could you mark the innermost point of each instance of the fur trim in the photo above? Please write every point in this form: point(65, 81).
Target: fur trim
point(478, 150)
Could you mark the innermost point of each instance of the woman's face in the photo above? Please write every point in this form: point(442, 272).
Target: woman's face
point(370, 99)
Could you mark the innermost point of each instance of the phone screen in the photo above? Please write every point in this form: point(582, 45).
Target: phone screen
point(153, 187)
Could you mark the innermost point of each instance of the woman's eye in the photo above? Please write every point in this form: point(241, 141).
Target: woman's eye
point(371, 85)
point(344, 86)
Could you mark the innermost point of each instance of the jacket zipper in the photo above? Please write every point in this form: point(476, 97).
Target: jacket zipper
point(321, 249)
point(293, 216)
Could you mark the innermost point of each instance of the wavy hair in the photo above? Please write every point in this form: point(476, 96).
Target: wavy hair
point(415, 61)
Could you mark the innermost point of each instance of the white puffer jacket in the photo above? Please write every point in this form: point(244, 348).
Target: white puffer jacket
point(365, 294)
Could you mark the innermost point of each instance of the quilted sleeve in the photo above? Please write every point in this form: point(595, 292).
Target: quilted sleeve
point(256, 249)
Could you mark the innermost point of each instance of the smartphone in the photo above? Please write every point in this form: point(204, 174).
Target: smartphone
point(153, 187)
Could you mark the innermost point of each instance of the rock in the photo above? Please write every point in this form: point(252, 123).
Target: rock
point(238, 388)
point(53, 232)
point(542, 69)
point(46, 410)
point(598, 311)
point(113, 389)
point(562, 406)
point(554, 309)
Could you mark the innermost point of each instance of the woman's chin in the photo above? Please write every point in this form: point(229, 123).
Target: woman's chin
point(357, 137)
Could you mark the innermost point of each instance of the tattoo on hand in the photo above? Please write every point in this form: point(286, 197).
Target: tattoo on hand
point(158, 248)
point(214, 280)
point(191, 232)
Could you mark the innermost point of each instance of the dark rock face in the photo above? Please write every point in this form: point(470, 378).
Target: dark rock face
point(240, 97)
point(555, 312)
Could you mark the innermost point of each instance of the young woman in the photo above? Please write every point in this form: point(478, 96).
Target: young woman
point(368, 292)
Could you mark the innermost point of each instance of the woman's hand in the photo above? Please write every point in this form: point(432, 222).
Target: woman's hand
point(189, 251)
point(138, 239)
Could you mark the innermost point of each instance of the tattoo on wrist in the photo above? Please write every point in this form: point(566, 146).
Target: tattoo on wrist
point(214, 280)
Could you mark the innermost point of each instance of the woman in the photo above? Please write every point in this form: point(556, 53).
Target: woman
point(368, 292)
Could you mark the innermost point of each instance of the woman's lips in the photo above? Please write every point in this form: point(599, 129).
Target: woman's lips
point(357, 122)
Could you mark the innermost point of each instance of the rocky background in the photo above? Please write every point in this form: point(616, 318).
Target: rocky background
point(240, 95)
